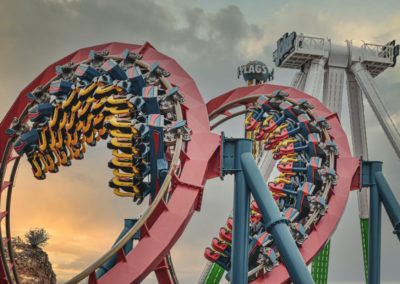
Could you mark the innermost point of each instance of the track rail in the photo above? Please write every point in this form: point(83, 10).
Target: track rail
point(176, 183)
point(192, 164)
point(345, 168)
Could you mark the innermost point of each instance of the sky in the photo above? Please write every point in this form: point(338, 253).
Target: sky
point(209, 39)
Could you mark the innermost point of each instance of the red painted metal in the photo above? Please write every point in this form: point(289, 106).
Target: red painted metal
point(169, 220)
point(200, 162)
point(346, 168)
point(162, 273)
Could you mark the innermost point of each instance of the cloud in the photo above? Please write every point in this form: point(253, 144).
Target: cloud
point(76, 206)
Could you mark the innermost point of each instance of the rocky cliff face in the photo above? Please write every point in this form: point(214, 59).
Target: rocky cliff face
point(33, 264)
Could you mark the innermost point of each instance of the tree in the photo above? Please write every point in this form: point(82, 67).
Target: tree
point(37, 237)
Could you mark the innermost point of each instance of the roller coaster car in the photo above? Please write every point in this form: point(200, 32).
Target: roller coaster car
point(251, 120)
point(307, 126)
point(136, 79)
point(51, 161)
point(65, 71)
point(84, 113)
point(59, 118)
point(322, 122)
point(130, 57)
point(105, 91)
point(114, 70)
point(137, 129)
point(123, 87)
point(290, 214)
point(331, 147)
point(39, 167)
point(298, 233)
point(136, 188)
point(269, 258)
point(254, 206)
point(141, 150)
point(86, 72)
point(167, 107)
point(139, 167)
point(290, 130)
point(282, 187)
point(174, 94)
point(174, 129)
point(121, 101)
point(256, 244)
point(87, 91)
point(119, 174)
point(318, 203)
point(225, 235)
point(64, 159)
point(27, 144)
point(256, 224)
point(218, 258)
point(268, 104)
point(289, 167)
point(314, 147)
point(291, 148)
point(38, 95)
point(126, 184)
point(329, 174)
point(17, 128)
point(125, 165)
point(288, 109)
point(97, 57)
point(138, 102)
point(40, 114)
point(136, 148)
point(74, 152)
point(121, 136)
point(61, 89)
point(221, 246)
point(157, 71)
point(123, 125)
point(271, 123)
point(124, 145)
point(302, 203)
point(313, 175)
point(229, 223)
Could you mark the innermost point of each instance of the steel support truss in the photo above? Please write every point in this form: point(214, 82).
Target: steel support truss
point(237, 159)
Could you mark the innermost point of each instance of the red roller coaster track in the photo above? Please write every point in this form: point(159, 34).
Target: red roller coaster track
point(199, 161)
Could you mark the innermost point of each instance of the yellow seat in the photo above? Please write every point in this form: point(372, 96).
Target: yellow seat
point(69, 100)
point(125, 183)
point(119, 174)
point(120, 193)
point(119, 134)
point(86, 91)
point(76, 107)
point(43, 139)
point(36, 165)
point(54, 117)
point(120, 155)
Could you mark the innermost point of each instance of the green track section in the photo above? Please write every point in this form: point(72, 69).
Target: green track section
point(364, 223)
point(215, 274)
point(320, 265)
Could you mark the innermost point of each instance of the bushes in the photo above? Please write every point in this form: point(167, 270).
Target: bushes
point(37, 237)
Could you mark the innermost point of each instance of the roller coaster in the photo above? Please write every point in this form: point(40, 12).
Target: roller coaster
point(163, 150)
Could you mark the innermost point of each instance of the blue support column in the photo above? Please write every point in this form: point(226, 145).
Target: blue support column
point(128, 224)
point(389, 201)
point(374, 251)
point(231, 151)
point(240, 241)
point(380, 192)
point(274, 222)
